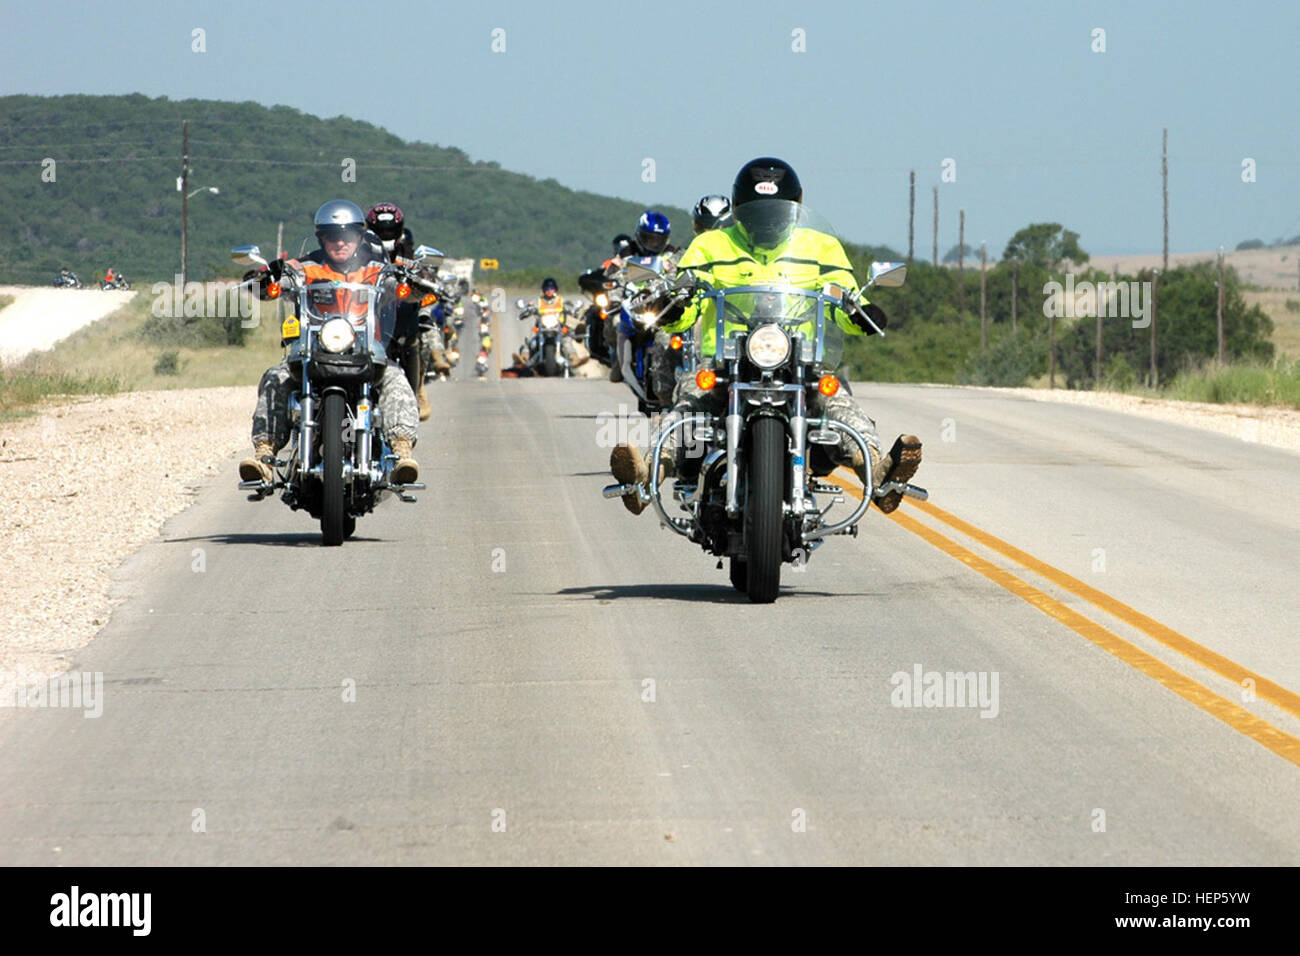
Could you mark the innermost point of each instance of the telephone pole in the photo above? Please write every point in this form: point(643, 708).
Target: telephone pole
point(911, 214)
point(1164, 188)
point(984, 323)
point(1220, 306)
point(185, 202)
point(961, 261)
point(936, 225)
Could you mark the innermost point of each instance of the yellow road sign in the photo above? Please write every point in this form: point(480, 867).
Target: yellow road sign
point(489, 264)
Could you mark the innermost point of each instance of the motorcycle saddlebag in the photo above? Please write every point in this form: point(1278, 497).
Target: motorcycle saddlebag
point(326, 368)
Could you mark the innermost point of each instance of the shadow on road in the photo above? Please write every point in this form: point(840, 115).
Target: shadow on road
point(692, 593)
point(295, 540)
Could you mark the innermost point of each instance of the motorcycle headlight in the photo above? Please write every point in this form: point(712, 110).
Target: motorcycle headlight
point(768, 346)
point(550, 322)
point(602, 300)
point(336, 335)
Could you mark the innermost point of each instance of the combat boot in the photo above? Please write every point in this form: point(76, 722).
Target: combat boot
point(254, 469)
point(900, 464)
point(422, 399)
point(406, 470)
point(628, 466)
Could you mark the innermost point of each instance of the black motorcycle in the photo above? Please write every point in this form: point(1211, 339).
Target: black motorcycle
point(337, 463)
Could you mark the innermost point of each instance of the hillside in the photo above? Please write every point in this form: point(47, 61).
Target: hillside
point(113, 199)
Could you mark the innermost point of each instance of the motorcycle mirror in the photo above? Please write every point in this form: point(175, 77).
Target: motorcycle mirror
point(520, 304)
point(428, 257)
point(887, 274)
point(636, 272)
point(247, 255)
point(833, 291)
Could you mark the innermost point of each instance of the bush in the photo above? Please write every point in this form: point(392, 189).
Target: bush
point(169, 363)
point(1120, 376)
point(1009, 362)
point(1250, 244)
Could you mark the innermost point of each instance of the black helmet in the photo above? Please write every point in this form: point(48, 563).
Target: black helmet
point(621, 243)
point(712, 212)
point(550, 285)
point(766, 178)
point(385, 221)
point(339, 217)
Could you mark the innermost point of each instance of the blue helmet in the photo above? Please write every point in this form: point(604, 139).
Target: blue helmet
point(652, 231)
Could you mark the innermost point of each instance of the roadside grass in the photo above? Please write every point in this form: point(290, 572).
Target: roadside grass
point(5, 300)
point(23, 388)
point(1283, 307)
point(118, 347)
point(1276, 384)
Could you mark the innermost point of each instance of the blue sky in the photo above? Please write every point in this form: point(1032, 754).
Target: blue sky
point(1040, 126)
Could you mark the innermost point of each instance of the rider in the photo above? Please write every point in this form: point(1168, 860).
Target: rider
point(342, 257)
point(650, 241)
point(386, 221)
point(552, 303)
point(712, 212)
point(773, 249)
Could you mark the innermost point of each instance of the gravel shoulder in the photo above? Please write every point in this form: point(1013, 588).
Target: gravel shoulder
point(1274, 427)
point(39, 316)
point(84, 485)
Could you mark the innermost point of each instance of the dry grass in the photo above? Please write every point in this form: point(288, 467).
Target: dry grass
point(114, 349)
point(1286, 321)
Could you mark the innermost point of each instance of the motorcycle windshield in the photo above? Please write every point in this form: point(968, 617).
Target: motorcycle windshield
point(804, 315)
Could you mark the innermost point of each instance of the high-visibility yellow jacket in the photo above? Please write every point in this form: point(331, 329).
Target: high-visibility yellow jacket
point(725, 259)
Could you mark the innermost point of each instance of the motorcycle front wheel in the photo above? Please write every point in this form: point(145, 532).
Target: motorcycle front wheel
point(332, 517)
point(550, 367)
point(764, 508)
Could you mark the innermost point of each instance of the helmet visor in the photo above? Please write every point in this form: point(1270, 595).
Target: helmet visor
point(770, 222)
point(653, 243)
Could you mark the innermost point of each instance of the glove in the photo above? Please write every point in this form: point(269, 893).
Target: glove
point(874, 312)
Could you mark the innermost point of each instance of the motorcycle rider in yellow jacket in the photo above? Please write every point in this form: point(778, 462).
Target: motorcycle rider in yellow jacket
point(775, 252)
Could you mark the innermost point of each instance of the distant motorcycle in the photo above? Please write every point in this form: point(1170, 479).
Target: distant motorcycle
point(337, 463)
point(67, 280)
point(546, 351)
point(116, 281)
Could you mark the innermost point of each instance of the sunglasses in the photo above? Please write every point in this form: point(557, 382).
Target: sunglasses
point(350, 235)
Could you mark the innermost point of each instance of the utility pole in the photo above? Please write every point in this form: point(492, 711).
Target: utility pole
point(1220, 307)
point(185, 202)
point(1051, 350)
point(1164, 188)
point(936, 225)
point(279, 240)
point(984, 324)
point(911, 214)
point(961, 261)
point(1155, 287)
point(1015, 287)
point(1097, 370)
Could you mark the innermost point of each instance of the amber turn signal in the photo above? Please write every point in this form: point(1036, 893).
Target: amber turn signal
point(828, 385)
point(705, 379)
point(403, 290)
point(675, 343)
point(273, 290)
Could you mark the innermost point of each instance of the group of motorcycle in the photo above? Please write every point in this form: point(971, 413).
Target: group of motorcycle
point(755, 485)
point(67, 279)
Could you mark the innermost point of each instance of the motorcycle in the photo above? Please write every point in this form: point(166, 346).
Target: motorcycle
point(759, 468)
point(117, 282)
point(606, 297)
point(67, 280)
point(337, 464)
point(546, 346)
point(644, 303)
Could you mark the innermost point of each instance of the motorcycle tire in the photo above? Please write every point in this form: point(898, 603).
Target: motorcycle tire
point(764, 508)
point(349, 526)
point(332, 514)
point(739, 571)
point(550, 367)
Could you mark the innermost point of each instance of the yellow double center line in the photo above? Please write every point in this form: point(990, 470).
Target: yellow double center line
point(1235, 716)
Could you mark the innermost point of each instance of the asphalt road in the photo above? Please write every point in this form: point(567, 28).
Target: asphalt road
point(514, 670)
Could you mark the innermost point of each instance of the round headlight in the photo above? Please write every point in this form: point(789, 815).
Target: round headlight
point(550, 321)
point(768, 346)
point(337, 335)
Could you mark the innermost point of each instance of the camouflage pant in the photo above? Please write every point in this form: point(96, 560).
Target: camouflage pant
point(271, 417)
point(692, 400)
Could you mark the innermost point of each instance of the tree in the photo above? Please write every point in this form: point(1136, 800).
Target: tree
point(1044, 244)
point(951, 255)
point(1250, 244)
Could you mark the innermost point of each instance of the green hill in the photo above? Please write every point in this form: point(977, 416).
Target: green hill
point(113, 199)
